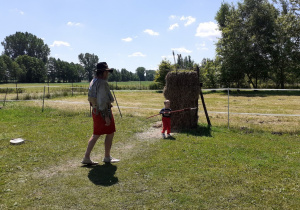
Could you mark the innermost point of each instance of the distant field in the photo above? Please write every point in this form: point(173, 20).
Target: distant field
point(77, 84)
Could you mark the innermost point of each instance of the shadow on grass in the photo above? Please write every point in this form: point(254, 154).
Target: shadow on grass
point(172, 138)
point(103, 175)
point(199, 131)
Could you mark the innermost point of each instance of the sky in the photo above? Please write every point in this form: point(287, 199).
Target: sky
point(124, 33)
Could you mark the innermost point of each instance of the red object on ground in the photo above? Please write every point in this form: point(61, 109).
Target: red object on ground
point(99, 125)
point(166, 125)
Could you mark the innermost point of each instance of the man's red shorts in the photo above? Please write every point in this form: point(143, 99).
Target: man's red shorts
point(99, 125)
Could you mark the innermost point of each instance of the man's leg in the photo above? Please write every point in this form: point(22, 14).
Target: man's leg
point(91, 145)
point(108, 143)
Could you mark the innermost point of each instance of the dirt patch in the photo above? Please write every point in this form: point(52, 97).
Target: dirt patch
point(152, 133)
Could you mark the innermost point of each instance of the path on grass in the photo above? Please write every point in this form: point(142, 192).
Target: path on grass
point(121, 149)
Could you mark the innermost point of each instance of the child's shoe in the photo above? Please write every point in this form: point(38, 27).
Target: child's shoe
point(163, 135)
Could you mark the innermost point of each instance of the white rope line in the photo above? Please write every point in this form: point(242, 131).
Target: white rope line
point(210, 112)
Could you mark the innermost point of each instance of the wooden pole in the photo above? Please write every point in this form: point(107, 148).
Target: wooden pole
point(228, 108)
point(17, 90)
point(5, 96)
point(204, 106)
point(43, 99)
point(197, 103)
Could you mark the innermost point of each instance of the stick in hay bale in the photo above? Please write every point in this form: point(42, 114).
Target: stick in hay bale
point(182, 89)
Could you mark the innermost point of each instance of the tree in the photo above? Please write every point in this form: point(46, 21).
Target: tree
point(140, 71)
point(163, 69)
point(247, 34)
point(89, 62)
point(115, 76)
point(3, 69)
point(125, 75)
point(285, 54)
point(51, 69)
point(150, 75)
point(33, 69)
point(25, 44)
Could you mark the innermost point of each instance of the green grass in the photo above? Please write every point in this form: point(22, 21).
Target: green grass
point(201, 169)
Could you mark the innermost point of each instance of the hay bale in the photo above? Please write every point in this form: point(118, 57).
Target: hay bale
point(182, 89)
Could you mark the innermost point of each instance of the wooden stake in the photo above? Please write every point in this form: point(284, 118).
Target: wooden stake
point(204, 106)
point(43, 99)
point(17, 91)
point(5, 97)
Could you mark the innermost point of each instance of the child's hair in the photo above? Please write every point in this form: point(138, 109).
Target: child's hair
point(166, 101)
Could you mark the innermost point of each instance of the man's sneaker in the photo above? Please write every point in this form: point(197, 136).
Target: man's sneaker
point(88, 161)
point(163, 135)
point(110, 160)
point(169, 136)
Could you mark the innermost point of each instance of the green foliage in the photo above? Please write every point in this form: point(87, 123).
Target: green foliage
point(184, 63)
point(26, 43)
point(259, 43)
point(32, 69)
point(89, 61)
point(163, 69)
point(150, 75)
point(140, 71)
point(3, 69)
point(210, 73)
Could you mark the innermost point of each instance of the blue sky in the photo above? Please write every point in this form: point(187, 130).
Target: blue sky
point(124, 33)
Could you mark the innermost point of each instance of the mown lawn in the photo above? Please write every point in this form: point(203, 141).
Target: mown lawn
point(207, 168)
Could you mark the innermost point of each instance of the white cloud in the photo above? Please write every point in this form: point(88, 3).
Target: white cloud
point(172, 17)
point(208, 29)
point(151, 32)
point(73, 24)
point(137, 54)
point(189, 20)
point(201, 46)
point(172, 27)
point(128, 39)
point(181, 50)
point(60, 43)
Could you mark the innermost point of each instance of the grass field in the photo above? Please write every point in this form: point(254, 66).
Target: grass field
point(253, 165)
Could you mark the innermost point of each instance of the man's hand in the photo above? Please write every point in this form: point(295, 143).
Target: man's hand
point(107, 121)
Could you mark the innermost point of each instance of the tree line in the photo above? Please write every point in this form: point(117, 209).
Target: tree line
point(26, 59)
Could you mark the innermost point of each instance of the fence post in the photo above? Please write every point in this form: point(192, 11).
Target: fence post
point(17, 90)
point(228, 106)
point(72, 88)
point(43, 99)
point(5, 96)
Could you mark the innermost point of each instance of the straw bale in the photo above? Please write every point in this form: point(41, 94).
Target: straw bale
point(182, 89)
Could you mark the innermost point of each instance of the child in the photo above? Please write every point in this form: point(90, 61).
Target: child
point(166, 119)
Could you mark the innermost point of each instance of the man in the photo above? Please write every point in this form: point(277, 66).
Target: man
point(100, 99)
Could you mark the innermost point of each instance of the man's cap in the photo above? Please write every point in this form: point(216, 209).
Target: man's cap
point(102, 66)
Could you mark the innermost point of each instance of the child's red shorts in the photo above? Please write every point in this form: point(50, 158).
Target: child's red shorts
point(99, 125)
